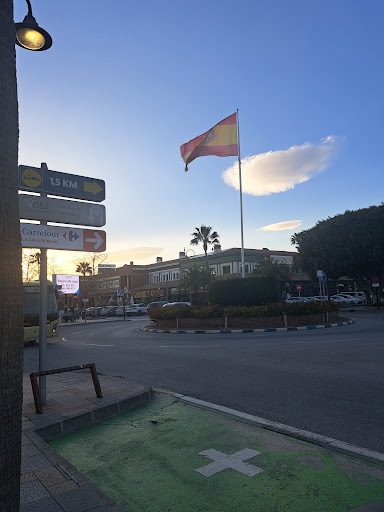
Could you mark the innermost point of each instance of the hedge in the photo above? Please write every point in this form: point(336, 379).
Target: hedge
point(253, 291)
point(275, 309)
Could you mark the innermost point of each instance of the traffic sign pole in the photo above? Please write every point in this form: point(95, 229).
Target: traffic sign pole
point(43, 315)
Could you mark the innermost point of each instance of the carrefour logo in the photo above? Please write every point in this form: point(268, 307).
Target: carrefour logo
point(31, 178)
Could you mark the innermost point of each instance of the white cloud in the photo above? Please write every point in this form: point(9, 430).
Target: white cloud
point(278, 171)
point(281, 226)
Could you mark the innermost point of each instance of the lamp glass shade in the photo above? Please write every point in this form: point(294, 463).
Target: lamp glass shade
point(30, 39)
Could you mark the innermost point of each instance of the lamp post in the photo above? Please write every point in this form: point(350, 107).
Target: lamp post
point(11, 290)
point(30, 36)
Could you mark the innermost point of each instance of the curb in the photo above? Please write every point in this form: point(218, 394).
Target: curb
point(81, 322)
point(246, 331)
point(325, 442)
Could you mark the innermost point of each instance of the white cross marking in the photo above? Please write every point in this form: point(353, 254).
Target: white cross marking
point(234, 461)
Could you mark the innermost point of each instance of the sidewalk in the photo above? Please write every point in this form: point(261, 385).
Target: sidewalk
point(48, 482)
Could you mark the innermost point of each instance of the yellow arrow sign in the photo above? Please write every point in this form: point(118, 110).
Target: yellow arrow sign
point(92, 187)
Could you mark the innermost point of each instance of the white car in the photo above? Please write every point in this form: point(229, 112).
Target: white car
point(176, 304)
point(358, 298)
point(295, 300)
point(136, 309)
point(344, 300)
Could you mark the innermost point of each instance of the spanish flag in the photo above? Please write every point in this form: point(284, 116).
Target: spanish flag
point(221, 140)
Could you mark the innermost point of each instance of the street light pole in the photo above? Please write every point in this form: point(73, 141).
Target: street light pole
point(11, 290)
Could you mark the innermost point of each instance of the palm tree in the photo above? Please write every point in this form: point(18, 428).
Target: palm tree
point(203, 235)
point(84, 268)
point(11, 289)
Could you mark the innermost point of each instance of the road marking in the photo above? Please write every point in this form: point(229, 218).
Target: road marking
point(235, 461)
point(96, 345)
point(77, 332)
point(188, 346)
point(329, 341)
point(64, 339)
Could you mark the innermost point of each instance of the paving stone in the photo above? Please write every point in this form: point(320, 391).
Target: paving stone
point(77, 500)
point(44, 505)
point(32, 491)
point(29, 450)
point(50, 476)
point(54, 490)
point(34, 463)
point(27, 477)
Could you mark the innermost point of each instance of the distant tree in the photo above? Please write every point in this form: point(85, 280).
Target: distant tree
point(29, 266)
point(349, 244)
point(35, 259)
point(84, 268)
point(205, 236)
point(278, 273)
point(93, 259)
point(195, 278)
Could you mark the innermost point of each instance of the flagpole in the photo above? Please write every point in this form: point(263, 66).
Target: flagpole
point(241, 196)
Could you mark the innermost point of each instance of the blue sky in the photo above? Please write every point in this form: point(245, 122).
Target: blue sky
point(126, 83)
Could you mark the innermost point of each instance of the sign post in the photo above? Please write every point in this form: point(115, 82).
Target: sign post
point(375, 283)
point(43, 236)
point(43, 314)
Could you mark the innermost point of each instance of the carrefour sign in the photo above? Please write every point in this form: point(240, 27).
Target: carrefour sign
point(66, 284)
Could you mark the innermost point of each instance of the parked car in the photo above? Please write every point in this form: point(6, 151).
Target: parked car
point(358, 295)
point(295, 300)
point(120, 311)
point(136, 309)
point(176, 304)
point(357, 300)
point(108, 311)
point(344, 300)
point(153, 305)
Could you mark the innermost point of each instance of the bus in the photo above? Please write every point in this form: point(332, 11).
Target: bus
point(31, 307)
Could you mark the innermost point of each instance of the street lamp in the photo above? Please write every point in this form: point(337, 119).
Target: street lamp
point(30, 36)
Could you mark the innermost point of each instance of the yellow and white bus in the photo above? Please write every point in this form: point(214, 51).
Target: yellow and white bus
point(31, 309)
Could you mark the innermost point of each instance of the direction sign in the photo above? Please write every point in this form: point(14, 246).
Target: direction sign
point(36, 179)
point(319, 273)
point(59, 237)
point(51, 209)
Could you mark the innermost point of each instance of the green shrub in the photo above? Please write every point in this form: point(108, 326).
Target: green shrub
point(252, 291)
point(274, 309)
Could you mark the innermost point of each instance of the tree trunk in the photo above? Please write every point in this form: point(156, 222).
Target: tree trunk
point(11, 290)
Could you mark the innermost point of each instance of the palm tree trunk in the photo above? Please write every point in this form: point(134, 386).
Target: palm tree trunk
point(11, 332)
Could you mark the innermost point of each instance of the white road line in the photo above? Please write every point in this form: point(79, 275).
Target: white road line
point(77, 332)
point(64, 339)
point(96, 345)
point(328, 341)
point(188, 346)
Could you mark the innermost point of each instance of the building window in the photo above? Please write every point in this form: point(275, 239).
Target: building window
point(246, 268)
point(226, 269)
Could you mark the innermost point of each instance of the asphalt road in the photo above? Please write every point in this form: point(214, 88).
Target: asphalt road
point(327, 381)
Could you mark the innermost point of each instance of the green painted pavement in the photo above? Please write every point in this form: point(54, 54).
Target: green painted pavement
point(146, 460)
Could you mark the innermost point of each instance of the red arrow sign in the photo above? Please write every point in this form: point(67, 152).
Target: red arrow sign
point(94, 240)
